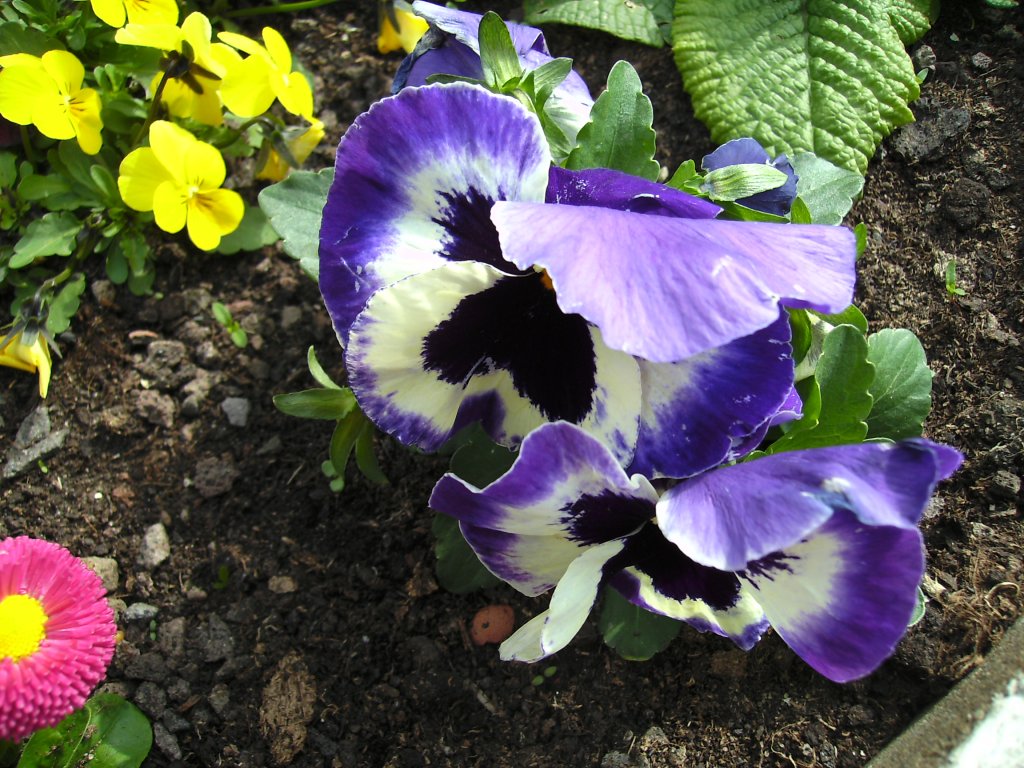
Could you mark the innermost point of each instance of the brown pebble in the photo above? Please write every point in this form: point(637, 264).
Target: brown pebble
point(492, 624)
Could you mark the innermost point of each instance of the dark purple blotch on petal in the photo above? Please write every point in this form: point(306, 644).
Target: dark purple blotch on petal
point(470, 234)
point(607, 188)
point(596, 518)
point(516, 326)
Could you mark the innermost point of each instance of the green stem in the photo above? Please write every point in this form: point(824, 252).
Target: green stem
point(233, 137)
point(87, 246)
point(264, 10)
point(26, 142)
point(154, 110)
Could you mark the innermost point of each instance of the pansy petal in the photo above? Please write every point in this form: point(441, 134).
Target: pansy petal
point(294, 93)
point(563, 483)
point(152, 11)
point(246, 88)
point(140, 174)
point(172, 143)
point(607, 188)
point(22, 83)
point(415, 179)
point(739, 514)
point(170, 208)
point(571, 603)
point(84, 108)
point(213, 214)
point(465, 343)
point(700, 412)
point(278, 49)
point(667, 288)
point(841, 598)
point(65, 68)
point(437, 53)
point(165, 37)
point(110, 12)
point(530, 564)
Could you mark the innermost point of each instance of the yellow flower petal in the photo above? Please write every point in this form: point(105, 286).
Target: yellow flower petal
point(34, 357)
point(213, 214)
point(171, 143)
point(246, 89)
point(294, 93)
point(152, 11)
point(66, 70)
point(242, 43)
point(204, 167)
point(140, 174)
point(278, 49)
point(182, 101)
point(164, 37)
point(84, 109)
point(51, 116)
point(411, 29)
point(109, 11)
point(170, 207)
point(22, 82)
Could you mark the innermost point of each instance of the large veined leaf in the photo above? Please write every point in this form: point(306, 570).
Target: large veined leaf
point(646, 21)
point(912, 18)
point(830, 77)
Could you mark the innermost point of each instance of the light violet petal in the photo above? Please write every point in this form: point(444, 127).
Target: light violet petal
point(709, 408)
point(667, 288)
point(563, 483)
point(466, 343)
point(842, 597)
point(414, 182)
point(736, 515)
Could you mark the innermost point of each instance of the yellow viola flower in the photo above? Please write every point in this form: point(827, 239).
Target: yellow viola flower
point(405, 35)
point(116, 12)
point(251, 85)
point(300, 143)
point(33, 357)
point(179, 178)
point(47, 92)
point(193, 63)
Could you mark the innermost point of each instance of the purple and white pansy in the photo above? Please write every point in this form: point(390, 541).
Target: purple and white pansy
point(452, 47)
point(822, 544)
point(470, 280)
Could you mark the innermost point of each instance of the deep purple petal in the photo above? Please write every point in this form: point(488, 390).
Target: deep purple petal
point(842, 597)
point(563, 483)
point(667, 288)
point(736, 515)
point(437, 53)
point(777, 201)
point(606, 188)
point(413, 185)
point(703, 411)
point(466, 343)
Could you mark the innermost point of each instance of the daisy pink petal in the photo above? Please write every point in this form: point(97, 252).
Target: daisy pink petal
point(41, 685)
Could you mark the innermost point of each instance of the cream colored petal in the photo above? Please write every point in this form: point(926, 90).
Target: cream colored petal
point(165, 37)
point(294, 93)
point(85, 117)
point(204, 167)
point(139, 176)
point(278, 50)
point(170, 206)
point(152, 11)
point(213, 214)
point(109, 11)
point(65, 69)
point(246, 89)
point(20, 87)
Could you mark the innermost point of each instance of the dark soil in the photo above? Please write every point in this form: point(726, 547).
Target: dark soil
point(289, 623)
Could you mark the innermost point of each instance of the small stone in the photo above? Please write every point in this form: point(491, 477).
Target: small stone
point(166, 742)
point(191, 406)
point(141, 612)
point(967, 203)
point(35, 427)
point(174, 722)
point(282, 585)
point(106, 569)
point(156, 408)
point(104, 293)
point(216, 642)
point(926, 138)
point(981, 61)
point(151, 699)
point(290, 315)
point(171, 636)
point(1004, 485)
point(146, 666)
point(219, 698)
point(207, 355)
point(215, 475)
point(237, 410)
point(179, 690)
point(156, 546)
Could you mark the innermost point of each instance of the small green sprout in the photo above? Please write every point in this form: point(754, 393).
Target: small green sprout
point(223, 578)
point(223, 316)
point(547, 673)
point(951, 287)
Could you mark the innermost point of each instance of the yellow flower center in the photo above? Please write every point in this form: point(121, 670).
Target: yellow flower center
point(22, 626)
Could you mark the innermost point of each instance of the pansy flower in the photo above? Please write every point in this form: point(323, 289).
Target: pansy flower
point(471, 281)
point(32, 355)
point(56, 635)
point(116, 12)
point(748, 151)
point(298, 143)
point(179, 178)
point(452, 47)
point(46, 91)
point(400, 29)
point(820, 544)
point(192, 66)
point(251, 84)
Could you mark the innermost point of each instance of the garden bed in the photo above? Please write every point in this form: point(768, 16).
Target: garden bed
point(282, 622)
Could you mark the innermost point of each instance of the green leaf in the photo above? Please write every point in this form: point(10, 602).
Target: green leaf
point(632, 632)
point(8, 170)
point(912, 18)
point(498, 55)
point(319, 374)
point(64, 305)
point(619, 134)
point(104, 182)
point(343, 440)
point(253, 233)
point(328, 404)
point(849, 316)
point(17, 38)
point(53, 234)
point(830, 77)
point(294, 207)
point(459, 570)
point(366, 455)
point(734, 182)
point(920, 606)
point(645, 21)
point(826, 189)
point(108, 732)
point(842, 380)
point(37, 187)
point(902, 389)
point(480, 460)
point(549, 76)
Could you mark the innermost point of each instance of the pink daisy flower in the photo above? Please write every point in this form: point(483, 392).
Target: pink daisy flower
point(56, 635)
